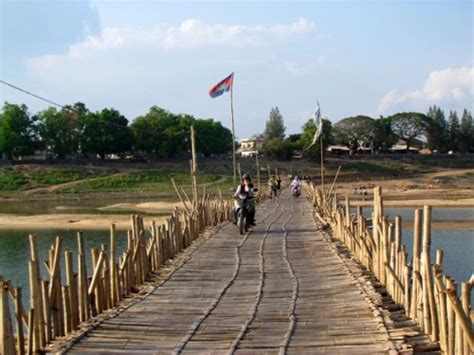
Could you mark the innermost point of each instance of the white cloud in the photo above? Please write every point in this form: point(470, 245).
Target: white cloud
point(451, 84)
point(190, 33)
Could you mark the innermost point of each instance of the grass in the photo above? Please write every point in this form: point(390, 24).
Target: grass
point(12, 180)
point(142, 181)
point(54, 176)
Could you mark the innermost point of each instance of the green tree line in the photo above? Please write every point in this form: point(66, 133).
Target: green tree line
point(76, 131)
point(375, 134)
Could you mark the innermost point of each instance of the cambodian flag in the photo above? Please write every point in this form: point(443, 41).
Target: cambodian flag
point(222, 87)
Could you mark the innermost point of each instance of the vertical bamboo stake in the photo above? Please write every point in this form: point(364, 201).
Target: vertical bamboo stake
point(84, 303)
point(194, 166)
point(20, 342)
point(35, 334)
point(415, 264)
point(7, 340)
point(451, 319)
point(465, 300)
point(67, 310)
point(47, 314)
point(31, 322)
point(113, 266)
point(72, 289)
point(257, 165)
point(38, 296)
point(432, 327)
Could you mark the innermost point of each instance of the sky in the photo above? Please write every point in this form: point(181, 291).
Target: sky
point(354, 57)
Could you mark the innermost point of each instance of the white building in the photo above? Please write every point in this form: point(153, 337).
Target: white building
point(249, 147)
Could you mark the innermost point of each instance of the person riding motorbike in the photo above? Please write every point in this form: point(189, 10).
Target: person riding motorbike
point(272, 184)
point(296, 185)
point(245, 187)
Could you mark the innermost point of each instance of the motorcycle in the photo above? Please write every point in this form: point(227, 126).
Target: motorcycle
point(243, 212)
point(296, 191)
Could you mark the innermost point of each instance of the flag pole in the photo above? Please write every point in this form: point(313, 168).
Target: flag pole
point(233, 128)
point(322, 164)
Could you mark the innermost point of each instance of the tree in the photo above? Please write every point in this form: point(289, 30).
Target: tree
point(453, 131)
point(59, 131)
point(105, 132)
point(384, 138)
point(466, 133)
point(408, 126)
point(274, 127)
point(17, 130)
point(212, 137)
point(279, 149)
point(309, 128)
point(161, 133)
point(436, 129)
point(352, 131)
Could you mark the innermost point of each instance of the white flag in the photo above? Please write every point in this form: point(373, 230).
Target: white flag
point(319, 125)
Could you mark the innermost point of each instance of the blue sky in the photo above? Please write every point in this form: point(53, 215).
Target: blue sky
point(355, 57)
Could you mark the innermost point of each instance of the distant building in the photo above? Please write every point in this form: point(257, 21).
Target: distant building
point(338, 149)
point(401, 146)
point(250, 147)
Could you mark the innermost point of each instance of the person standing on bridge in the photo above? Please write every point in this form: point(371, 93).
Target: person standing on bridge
point(246, 187)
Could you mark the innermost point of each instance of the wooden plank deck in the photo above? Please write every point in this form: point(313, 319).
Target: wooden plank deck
point(280, 289)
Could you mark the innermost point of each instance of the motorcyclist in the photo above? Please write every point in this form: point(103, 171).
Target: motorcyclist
point(246, 187)
point(272, 184)
point(296, 184)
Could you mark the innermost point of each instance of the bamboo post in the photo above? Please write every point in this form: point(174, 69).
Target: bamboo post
point(47, 314)
point(72, 290)
point(7, 340)
point(415, 264)
point(84, 305)
point(67, 309)
point(20, 338)
point(257, 166)
point(431, 319)
point(113, 267)
point(466, 299)
point(35, 334)
point(31, 322)
point(38, 296)
point(194, 166)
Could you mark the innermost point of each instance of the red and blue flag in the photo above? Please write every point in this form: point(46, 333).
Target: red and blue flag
point(222, 87)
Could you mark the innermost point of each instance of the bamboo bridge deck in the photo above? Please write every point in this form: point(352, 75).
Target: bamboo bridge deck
point(282, 288)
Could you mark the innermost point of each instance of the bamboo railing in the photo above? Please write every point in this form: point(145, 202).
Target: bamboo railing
point(57, 310)
point(427, 296)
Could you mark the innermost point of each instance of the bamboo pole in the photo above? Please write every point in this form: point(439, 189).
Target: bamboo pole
point(72, 289)
point(47, 314)
point(416, 263)
point(97, 272)
point(38, 296)
point(114, 287)
point(257, 166)
point(431, 326)
point(194, 166)
point(35, 334)
point(20, 337)
point(31, 322)
point(466, 299)
point(233, 128)
point(67, 309)
point(7, 341)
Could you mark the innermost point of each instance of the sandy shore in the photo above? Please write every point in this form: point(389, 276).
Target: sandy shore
point(70, 221)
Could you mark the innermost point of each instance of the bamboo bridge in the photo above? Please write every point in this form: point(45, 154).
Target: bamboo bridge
point(305, 280)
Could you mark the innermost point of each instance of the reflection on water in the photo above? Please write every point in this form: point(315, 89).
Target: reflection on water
point(15, 251)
